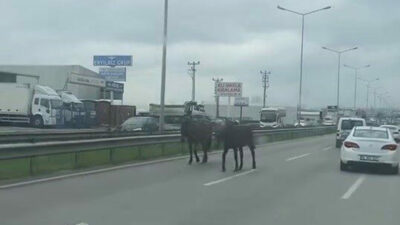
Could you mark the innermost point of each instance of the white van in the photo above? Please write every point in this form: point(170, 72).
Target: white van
point(345, 125)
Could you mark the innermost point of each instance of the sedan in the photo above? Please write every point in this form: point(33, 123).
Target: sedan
point(146, 124)
point(394, 130)
point(370, 146)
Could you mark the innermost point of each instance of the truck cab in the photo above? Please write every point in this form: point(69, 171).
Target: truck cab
point(46, 107)
point(73, 109)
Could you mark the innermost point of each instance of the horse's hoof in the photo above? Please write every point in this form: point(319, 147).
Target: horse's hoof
point(190, 162)
point(223, 170)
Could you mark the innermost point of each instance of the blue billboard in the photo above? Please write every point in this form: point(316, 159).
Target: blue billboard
point(112, 60)
point(113, 73)
point(114, 86)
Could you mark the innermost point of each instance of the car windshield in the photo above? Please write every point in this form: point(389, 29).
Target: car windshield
point(370, 133)
point(349, 124)
point(56, 104)
point(268, 117)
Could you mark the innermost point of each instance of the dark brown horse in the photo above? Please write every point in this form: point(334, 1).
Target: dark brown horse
point(236, 137)
point(197, 131)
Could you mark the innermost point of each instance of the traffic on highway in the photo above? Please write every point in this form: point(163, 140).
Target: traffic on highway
point(199, 112)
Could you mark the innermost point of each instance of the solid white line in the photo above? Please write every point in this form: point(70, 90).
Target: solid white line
point(297, 157)
point(88, 172)
point(327, 148)
point(228, 178)
point(353, 187)
point(82, 224)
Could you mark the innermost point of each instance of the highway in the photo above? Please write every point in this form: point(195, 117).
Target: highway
point(296, 182)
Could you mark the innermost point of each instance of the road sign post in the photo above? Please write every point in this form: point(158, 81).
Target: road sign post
point(241, 102)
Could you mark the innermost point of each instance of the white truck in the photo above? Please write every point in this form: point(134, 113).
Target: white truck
point(272, 117)
point(23, 103)
point(309, 118)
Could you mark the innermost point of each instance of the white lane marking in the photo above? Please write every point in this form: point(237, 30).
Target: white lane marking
point(354, 187)
point(327, 148)
point(82, 224)
point(297, 157)
point(228, 178)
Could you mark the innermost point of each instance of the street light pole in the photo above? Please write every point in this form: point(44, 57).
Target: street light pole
point(216, 81)
point(265, 79)
point(193, 70)
point(368, 86)
point(355, 80)
point(339, 52)
point(164, 67)
point(301, 50)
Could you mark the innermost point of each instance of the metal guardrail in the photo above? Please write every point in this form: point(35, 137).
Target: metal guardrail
point(47, 135)
point(25, 150)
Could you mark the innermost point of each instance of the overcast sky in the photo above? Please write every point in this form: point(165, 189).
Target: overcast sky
point(233, 40)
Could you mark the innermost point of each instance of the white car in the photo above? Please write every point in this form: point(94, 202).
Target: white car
point(370, 145)
point(395, 131)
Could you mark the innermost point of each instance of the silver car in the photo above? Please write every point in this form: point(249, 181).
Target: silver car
point(394, 130)
point(369, 146)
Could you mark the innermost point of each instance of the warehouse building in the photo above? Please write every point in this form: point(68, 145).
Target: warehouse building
point(82, 82)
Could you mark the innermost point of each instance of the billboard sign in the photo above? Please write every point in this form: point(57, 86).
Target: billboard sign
point(86, 80)
point(241, 101)
point(113, 73)
point(112, 60)
point(114, 86)
point(230, 89)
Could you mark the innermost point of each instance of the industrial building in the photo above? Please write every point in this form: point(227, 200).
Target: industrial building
point(82, 82)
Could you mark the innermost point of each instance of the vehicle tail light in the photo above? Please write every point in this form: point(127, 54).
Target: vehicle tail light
point(390, 147)
point(350, 144)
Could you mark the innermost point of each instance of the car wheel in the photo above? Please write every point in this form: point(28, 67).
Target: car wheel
point(343, 166)
point(37, 121)
point(338, 144)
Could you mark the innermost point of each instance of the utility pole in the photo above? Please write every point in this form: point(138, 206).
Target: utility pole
point(265, 80)
point(216, 81)
point(193, 74)
point(164, 67)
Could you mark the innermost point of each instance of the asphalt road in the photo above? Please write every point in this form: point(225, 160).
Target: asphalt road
point(296, 182)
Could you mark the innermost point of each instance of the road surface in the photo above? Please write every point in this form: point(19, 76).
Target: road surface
point(296, 182)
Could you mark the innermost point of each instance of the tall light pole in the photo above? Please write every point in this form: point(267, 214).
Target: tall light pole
point(375, 89)
point(164, 67)
point(368, 86)
point(355, 80)
point(265, 82)
point(339, 53)
point(216, 81)
point(193, 74)
point(301, 51)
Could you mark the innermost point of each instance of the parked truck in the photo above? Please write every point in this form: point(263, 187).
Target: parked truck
point(30, 104)
point(73, 109)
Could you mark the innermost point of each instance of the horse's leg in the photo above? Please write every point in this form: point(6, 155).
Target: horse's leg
point(235, 150)
point(190, 152)
point(195, 153)
point(205, 157)
point(241, 158)
point(253, 156)
point(223, 158)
